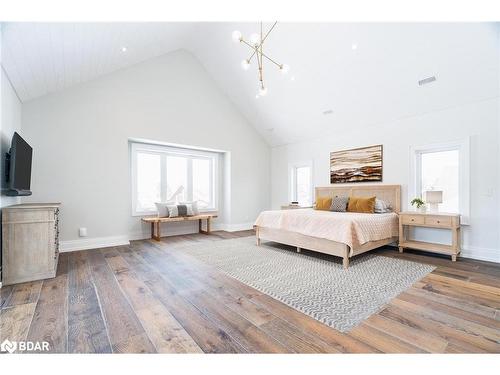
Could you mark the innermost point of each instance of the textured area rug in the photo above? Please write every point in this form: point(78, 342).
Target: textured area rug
point(314, 284)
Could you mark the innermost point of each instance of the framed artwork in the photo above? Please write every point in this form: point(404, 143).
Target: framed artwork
point(356, 165)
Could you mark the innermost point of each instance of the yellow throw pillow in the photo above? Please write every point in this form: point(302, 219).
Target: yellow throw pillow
point(363, 205)
point(323, 204)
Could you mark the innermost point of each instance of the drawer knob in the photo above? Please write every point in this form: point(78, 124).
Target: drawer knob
point(412, 219)
point(438, 221)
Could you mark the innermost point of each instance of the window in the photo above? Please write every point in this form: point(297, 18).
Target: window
point(301, 183)
point(165, 173)
point(443, 167)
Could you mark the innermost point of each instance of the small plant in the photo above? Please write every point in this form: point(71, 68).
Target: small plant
point(417, 202)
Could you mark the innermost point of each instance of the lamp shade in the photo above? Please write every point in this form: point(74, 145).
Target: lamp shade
point(434, 196)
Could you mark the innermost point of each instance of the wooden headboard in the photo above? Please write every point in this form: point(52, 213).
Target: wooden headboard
point(389, 193)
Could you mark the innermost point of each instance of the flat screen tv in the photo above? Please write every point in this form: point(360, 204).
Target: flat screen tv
point(19, 167)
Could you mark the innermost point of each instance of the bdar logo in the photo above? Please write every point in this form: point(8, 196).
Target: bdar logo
point(8, 346)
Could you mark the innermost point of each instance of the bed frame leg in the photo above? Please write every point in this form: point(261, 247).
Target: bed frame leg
point(345, 262)
point(298, 249)
point(257, 235)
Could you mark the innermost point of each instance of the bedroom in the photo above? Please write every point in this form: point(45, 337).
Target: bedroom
point(250, 187)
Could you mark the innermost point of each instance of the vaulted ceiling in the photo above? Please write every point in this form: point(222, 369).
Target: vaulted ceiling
point(359, 74)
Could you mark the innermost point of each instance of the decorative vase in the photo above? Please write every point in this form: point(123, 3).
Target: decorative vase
point(423, 209)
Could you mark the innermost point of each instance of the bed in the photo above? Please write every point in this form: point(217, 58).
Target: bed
point(342, 234)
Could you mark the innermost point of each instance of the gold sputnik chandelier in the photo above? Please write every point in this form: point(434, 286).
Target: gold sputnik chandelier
point(256, 44)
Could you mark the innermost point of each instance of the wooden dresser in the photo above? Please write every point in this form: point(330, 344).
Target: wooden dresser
point(430, 220)
point(30, 242)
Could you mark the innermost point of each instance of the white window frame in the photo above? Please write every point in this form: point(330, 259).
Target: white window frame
point(164, 150)
point(463, 148)
point(292, 180)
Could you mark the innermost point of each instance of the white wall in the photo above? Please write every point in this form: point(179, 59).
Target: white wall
point(81, 156)
point(10, 122)
point(478, 120)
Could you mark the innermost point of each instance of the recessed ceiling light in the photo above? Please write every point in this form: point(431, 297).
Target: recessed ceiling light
point(124, 49)
point(328, 112)
point(354, 46)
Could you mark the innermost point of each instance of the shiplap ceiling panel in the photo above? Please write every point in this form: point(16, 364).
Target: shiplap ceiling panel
point(374, 83)
point(45, 57)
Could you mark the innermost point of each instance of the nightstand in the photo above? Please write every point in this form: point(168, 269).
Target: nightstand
point(430, 220)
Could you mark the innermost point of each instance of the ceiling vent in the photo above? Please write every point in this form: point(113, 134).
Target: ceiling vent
point(427, 80)
point(328, 112)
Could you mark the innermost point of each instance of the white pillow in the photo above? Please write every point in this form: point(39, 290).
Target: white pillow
point(172, 210)
point(162, 208)
point(194, 205)
point(381, 207)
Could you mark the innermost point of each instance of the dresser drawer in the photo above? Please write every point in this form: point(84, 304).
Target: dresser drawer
point(438, 221)
point(412, 219)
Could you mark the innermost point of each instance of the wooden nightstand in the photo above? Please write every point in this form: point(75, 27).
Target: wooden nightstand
point(430, 220)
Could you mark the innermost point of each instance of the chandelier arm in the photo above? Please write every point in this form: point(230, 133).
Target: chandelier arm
point(269, 32)
point(271, 60)
point(252, 47)
point(262, 42)
point(261, 65)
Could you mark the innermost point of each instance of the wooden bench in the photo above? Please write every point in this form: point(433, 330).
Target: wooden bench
point(156, 221)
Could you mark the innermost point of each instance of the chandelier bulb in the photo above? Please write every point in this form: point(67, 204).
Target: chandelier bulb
point(236, 36)
point(263, 91)
point(284, 69)
point(255, 39)
point(245, 64)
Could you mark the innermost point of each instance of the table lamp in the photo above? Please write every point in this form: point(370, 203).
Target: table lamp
point(434, 197)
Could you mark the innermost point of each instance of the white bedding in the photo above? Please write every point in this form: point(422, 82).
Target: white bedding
point(352, 229)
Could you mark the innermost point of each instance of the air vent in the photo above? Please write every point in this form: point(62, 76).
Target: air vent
point(328, 112)
point(427, 80)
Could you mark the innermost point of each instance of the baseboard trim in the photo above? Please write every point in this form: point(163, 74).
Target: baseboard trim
point(238, 227)
point(93, 243)
point(100, 242)
point(481, 253)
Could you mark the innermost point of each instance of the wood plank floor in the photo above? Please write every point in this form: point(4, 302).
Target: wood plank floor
point(150, 297)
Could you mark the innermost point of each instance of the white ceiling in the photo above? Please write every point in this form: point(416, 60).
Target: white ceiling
point(41, 58)
point(373, 84)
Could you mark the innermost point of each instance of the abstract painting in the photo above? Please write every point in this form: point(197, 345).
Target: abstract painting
point(356, 165)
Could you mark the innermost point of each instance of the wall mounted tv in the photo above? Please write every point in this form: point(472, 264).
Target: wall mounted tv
point(18, 167)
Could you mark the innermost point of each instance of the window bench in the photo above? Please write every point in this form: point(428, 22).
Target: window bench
point(156, 221)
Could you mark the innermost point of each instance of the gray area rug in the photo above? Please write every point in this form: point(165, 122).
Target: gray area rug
point(314, 284)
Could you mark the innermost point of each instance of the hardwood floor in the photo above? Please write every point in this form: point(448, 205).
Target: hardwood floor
point(149, 297)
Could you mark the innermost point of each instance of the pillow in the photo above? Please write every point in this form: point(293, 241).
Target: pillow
point(180, 210)
point(363, 205)
point(172, 210)
point(382, 207)
point(323, 204)
point(162, 208)
point(194, 205)
point(339, 204)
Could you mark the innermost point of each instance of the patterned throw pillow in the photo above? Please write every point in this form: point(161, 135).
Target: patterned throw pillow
point(162, 208)
point(339, 204)
point(194, 205)
point(180, 210)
